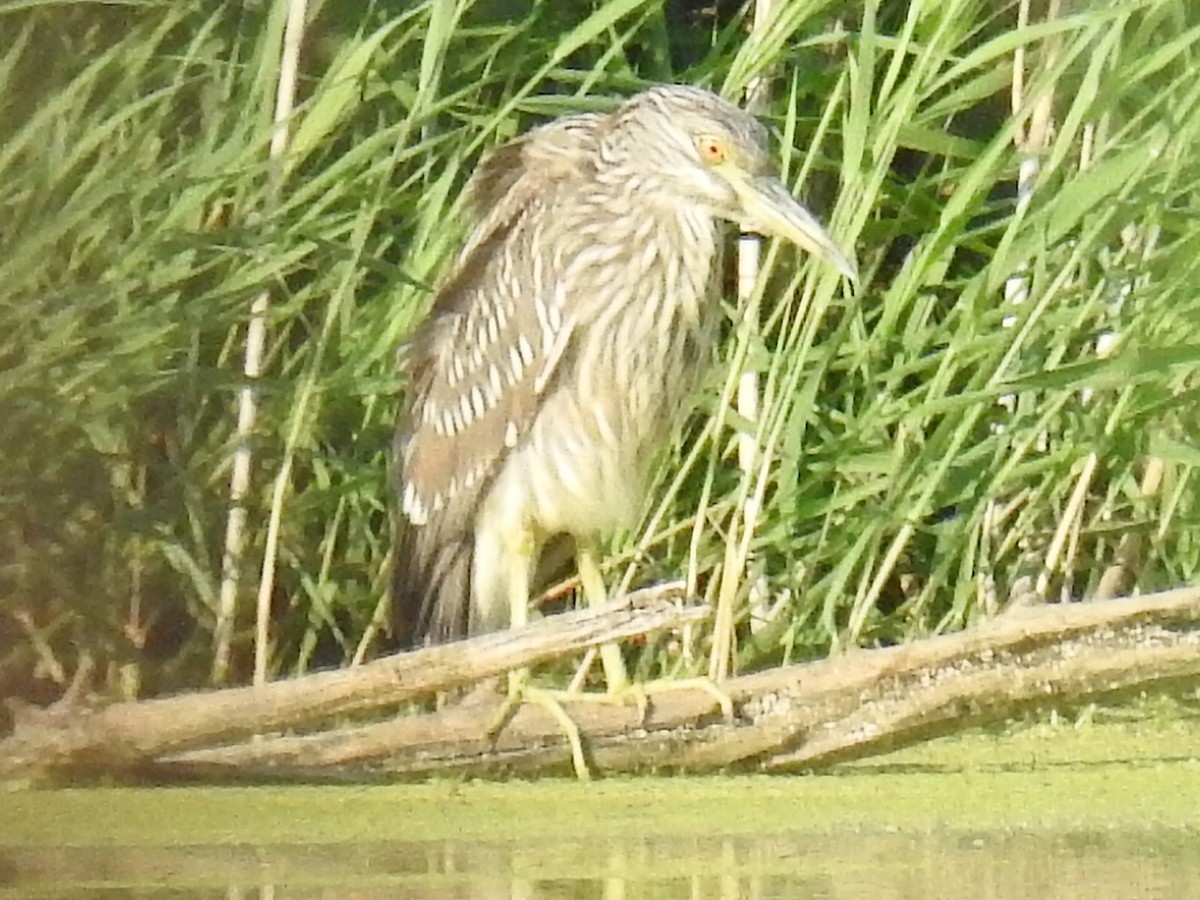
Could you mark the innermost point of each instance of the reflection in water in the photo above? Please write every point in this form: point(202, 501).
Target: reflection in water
point(881, 866)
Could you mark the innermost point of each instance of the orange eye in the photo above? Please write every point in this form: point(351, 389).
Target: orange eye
point(712, 149)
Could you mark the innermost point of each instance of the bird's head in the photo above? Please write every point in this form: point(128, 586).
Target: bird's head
point(709, 151)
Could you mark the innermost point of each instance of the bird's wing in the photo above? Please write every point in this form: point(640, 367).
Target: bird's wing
point(477, 386)
point(513, 174)
point(478, 376)
point(499, 325)
point(478, 370)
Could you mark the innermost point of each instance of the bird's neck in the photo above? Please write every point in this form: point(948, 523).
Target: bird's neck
point(665, 252)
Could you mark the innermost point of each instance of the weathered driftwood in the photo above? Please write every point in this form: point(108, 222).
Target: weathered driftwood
point(127, 736)
point(799, 717)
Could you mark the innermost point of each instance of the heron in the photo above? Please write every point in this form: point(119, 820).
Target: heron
point(560, 351)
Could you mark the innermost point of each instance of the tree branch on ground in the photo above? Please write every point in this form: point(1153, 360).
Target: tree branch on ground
point(803, 716)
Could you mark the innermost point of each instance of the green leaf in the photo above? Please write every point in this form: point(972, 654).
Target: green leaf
point(337, 95)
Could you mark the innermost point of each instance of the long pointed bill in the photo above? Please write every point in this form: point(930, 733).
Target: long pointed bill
point(769, 209)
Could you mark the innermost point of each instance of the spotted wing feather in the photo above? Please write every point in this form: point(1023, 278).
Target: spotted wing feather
point(478, 370)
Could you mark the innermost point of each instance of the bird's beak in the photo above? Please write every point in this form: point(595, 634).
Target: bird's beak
point(768, 208)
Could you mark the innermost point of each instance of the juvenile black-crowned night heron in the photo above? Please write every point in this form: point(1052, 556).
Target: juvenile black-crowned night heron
point(562, 349)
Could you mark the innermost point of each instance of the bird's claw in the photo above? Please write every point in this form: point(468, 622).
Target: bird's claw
point(721, 699)
point(520, 691)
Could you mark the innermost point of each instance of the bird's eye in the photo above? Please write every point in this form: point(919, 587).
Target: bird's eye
point(712, 149)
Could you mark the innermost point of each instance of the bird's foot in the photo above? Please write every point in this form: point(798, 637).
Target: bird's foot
point(721, 699)
point(621, 689)
point(644, 691)
point(521, 691)
point(640, 694)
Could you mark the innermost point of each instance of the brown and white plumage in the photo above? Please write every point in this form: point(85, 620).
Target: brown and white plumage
point(561, 350)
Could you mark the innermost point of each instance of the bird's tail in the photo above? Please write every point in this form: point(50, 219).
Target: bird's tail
point(431, 586)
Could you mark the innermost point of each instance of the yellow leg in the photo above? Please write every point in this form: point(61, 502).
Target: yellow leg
point(520, 563)
point(710, 687)
point(594, 594)
point(620, 689)
point(520, 691)
point(619, 685)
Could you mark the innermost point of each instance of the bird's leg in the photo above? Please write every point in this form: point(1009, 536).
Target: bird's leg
point(519, 688)
point(595, 594)
point(619, 685)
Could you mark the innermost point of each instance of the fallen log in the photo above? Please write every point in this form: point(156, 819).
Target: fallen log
point(126, 736)
point(800, 717)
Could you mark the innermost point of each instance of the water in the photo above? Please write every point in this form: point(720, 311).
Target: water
point(1019, 866)
point(1109, 811)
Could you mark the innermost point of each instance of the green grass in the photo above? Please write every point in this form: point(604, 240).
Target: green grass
point(139, 217)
